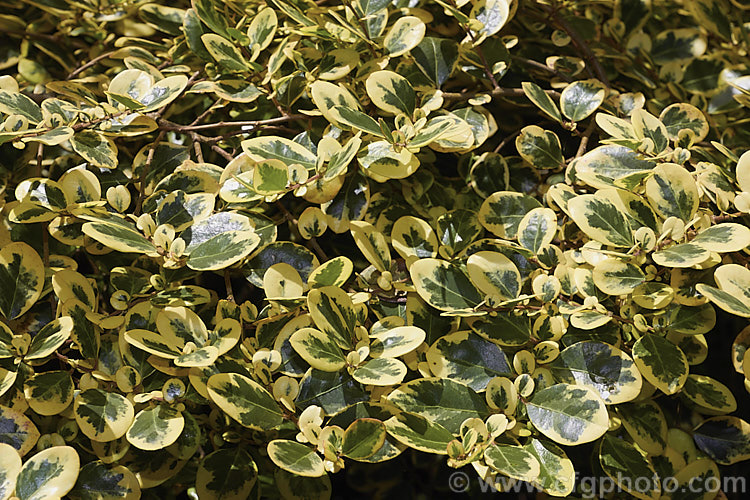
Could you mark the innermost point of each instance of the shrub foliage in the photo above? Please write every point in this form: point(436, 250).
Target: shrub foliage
point(246, 244)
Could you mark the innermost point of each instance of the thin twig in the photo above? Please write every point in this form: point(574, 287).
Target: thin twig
point(144, 172)
point(89, 64)
point(580, 43)
point(499, 92)
point(318, 250)
point(228, 285)
point(221, 152)
point(585, 138)
point(167, 125)
point(540, 66)
point(46, 36)
point(507, 140)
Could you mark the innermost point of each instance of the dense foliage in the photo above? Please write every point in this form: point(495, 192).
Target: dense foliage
point(248, 244)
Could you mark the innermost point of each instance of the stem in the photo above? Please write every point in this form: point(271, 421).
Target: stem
point(585, 138)
point(540, 66)
point(228, 286)
point(167, 125)
point(90, 64)
point(499, 92)
point(580, 43)
point(318, 250)
point(144, 173)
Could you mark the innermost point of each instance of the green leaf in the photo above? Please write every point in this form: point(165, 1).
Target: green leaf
point(363, 438)
point(404, 35)
point(601, 367)
point(340, 160)
point(335, 272)
point(434, 129)
point(661, 362)
point(725, 439)
point(646, 424)
point(681, 255)
point(222, 250)
point(49, 393)
point(332, 391)
point(391, 92)
point(672, 192)
point(51, 473)
point(412, 237)
point(502, 212)
point(358, 120)
point(121, 237)
point(10, 466)
point(95, 148)
point(616, 277)
point(395, 342)
point(98, 480)
point(225, 53)
point(513, 461)
point(580, 99)
point(17, 430)
point(493, 14)
point(601, 220)
point(682, 116)
point(457, 229)
point(279, 148)
point(270, 177)
point(85, 333)
point(245, 401)
point(155, 428)
point(383, 161)
point(677, 45)
point(687, 320)
point(467, 358)
point(49, 338)
point(505, 329)
point(568, 414)
point(52, 137)
point(296, 458)
point(262, 28)
point(556, 473)
point(380, 372)
point(212, 17)
point(226, 473)
point(537, 229)
point(333, 312)
point(21, 279)
point(539, 97)
point(372, 244)
point(723, 238)
point(419, 433)
point(436, 58)
point(297, 256)
point(349, 204)
point(369, 7)
point(609, 165)
point(710, 396)
point(180, 210)
point(15, 103)
point(318, 349)
point(103, 416)
point(625, 464)
point(444, 285)
point(540, 147)
point(441, 401)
